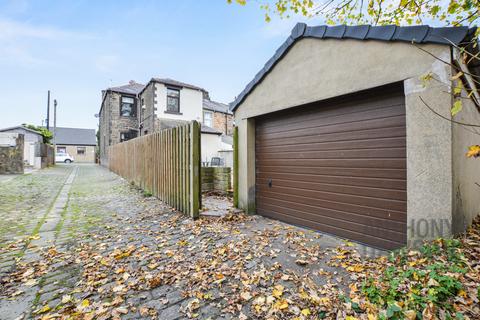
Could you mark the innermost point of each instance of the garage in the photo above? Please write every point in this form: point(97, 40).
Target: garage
point(340, 132)
point(337, 166)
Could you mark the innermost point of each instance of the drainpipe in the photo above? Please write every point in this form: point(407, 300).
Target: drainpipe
point(467, 74)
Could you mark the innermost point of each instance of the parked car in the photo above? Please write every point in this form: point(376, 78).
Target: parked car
point(63, 157)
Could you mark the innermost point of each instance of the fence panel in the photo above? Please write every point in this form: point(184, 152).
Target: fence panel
point(166, 164)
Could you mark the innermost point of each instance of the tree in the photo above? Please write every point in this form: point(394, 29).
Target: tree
point(46, 134)
point(376, 12)
point(402, 12)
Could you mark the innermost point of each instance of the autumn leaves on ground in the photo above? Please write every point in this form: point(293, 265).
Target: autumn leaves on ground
point(116, 254)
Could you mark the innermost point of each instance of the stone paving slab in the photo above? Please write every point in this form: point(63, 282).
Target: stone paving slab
point(72, 221)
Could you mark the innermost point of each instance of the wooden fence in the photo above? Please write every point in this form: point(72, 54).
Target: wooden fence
point(165, 164)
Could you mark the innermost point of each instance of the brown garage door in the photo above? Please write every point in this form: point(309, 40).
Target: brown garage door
point(337, 166)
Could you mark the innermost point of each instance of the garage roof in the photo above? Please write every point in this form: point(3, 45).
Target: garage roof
point(415, 34)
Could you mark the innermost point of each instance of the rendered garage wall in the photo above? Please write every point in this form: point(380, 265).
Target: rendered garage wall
point(319, 69)
point(466, 171)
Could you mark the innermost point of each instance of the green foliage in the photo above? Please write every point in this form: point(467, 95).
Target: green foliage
point(46, 134)
point(415, 284)
point(147, 193)
point(376, 12)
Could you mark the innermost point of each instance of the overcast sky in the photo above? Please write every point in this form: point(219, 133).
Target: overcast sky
point(77, 48)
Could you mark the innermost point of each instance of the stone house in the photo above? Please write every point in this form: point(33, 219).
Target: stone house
point(118, 116)
point(160, 104)
point(336, 133)
point(79, 143)
point(218, 116)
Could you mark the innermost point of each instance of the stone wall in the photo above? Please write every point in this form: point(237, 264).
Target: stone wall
point(47, 156)
point(11, 153)
point(112, 124)
point(223, 122)
point(216, 179)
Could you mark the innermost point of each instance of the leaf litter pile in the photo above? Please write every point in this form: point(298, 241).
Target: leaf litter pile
point(274, 272)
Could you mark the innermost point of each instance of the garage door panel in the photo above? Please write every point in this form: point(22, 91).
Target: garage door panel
point(353, 136)
point(382, 228)
point(343, 189)
point(335, 171)
point(338, 167)
point(376, 202)
point(313, 122)
point(347, 162)
point(335, 154)
point(334, 110)
point(363, 235)
point(396, 142)
point(394, 216)
point(335, 128)
point(336, 180)
point(275, 204)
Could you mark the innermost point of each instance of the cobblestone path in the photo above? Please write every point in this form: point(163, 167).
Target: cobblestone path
point(78, 242)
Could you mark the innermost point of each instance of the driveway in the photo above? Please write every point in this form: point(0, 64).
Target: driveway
point(78, 241)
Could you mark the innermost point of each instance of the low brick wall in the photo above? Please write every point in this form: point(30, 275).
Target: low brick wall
point(216, 179)
point(11, 153)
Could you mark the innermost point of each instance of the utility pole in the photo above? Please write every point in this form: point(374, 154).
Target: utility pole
point(54, 126)
point(48, 110)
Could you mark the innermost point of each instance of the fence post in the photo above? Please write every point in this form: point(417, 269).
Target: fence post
point(235, 167)
point(195, 199)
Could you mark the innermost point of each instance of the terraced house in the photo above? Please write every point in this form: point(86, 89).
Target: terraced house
point(134, 109)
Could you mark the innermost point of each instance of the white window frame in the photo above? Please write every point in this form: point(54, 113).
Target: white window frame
point(211, 119)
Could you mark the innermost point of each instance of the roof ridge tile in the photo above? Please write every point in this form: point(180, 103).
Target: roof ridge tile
point(417, 34)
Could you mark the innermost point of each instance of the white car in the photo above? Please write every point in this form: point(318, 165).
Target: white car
point(63, 157)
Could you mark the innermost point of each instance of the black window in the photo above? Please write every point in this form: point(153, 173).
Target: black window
point(81, 150)
point(125, 136)
point(127, 107)
point(173, 100)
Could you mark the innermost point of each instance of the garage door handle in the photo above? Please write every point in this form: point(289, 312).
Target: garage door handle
point(269, 183)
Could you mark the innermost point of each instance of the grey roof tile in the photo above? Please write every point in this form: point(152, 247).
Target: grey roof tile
point(418, 34)
point(75, 136)
point(216, 106)
point(20, 127)
point(176, 83)
point(411, 33)
point(315, 32)
point(335, 32)
point(382, 33)
point(210, 130)
point(131, 88)
point(357, 32)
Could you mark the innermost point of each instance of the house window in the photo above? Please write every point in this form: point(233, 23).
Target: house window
point(173, 100)
point(208, 118)
point(61, 149)
point(127, 107)
point(125, 136)
point(81, 150)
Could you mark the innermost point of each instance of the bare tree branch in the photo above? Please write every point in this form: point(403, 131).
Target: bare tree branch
point(445, 118)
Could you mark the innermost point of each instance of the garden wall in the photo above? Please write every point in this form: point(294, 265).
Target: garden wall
point(11, 153)
point(216, 179)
